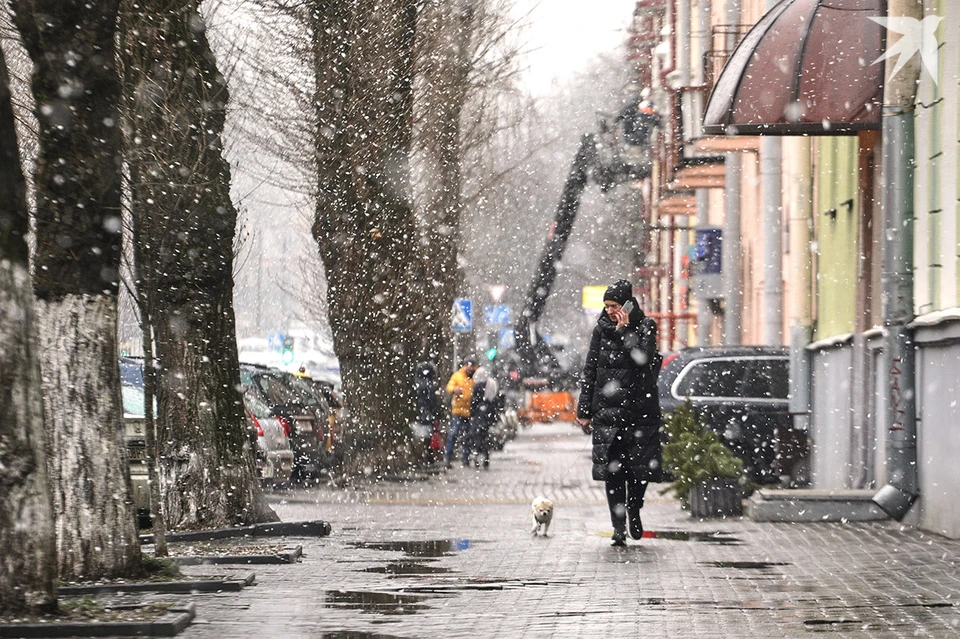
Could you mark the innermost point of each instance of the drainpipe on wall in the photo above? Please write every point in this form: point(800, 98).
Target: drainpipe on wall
point(730, 258)
point(703, 29)
point(683, 45)
point(771, 183)
point(704, 313)
point(770, 165)
point(899, 99)
point(799, 191)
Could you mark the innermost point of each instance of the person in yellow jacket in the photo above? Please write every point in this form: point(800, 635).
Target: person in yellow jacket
point(460, 388)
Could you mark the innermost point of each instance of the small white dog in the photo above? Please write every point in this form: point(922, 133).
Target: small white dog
point(542, 510)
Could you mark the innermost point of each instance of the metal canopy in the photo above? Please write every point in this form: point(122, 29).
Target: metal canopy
point(806, 68)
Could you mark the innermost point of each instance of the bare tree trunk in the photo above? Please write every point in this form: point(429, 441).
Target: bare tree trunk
point(96, 532)
point(76, 280)
point(364, 224)
point(443, 64)
point(28, 564)
point(176, 102)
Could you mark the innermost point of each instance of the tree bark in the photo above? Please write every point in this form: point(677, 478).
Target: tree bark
point(175, 101)
point(96, 531)
point(443, 68)
point(28, 562)
point(364, 224)
point(71, 44)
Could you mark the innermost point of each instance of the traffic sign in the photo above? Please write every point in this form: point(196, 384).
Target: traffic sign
point(497, 315)
point(462, 316)
point(275, 341)
point(497, 291)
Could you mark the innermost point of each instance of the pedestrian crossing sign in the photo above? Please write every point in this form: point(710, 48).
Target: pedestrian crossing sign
point(462, 316)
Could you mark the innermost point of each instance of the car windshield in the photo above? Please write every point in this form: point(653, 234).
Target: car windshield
point(285, 390)
point(303, 389)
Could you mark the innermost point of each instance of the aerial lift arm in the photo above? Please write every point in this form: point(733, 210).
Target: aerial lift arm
point(525, 329)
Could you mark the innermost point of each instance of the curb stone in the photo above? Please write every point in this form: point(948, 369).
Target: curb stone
point(227, 584)
point(289, 555)
point(314, 528)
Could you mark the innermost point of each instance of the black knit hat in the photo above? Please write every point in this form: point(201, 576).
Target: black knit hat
point(619, 292)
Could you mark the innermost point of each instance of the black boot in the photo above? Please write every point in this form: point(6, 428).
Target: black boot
point(635, 493)
point(619, 538)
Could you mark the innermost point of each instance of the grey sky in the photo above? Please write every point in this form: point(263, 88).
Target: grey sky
point(563, 35)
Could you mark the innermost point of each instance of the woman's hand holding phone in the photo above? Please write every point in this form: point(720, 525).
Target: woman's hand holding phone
point(623, 314)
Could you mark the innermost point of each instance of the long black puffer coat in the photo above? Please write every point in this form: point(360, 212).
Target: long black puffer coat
point(619, 393)
point(426, 387)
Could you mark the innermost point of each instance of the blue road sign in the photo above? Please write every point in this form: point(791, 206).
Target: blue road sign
point(275, 341)
point(462, 316)
point(497, 315)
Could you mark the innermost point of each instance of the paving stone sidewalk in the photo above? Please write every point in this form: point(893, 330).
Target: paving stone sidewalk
point(452, 556)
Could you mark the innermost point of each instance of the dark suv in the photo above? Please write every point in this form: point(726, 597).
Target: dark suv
point(742, 393)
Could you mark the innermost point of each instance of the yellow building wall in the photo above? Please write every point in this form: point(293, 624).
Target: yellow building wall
point(835, 216)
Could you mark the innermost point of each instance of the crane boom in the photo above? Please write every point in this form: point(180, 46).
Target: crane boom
point(536, 298)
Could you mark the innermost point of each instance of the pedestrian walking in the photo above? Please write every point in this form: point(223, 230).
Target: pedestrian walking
point(426, 389)
point(619, 405)
point(460, 389)
point(485, 406)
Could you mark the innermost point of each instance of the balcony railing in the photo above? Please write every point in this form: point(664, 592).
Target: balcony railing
point(724, 39)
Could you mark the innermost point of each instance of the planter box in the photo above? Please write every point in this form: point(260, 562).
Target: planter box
point(719, 498)
point(169, 625)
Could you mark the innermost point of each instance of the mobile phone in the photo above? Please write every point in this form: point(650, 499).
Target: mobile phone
point(627, 307)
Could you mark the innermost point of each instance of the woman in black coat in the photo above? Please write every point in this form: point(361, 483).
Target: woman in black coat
point(426, 388)
point(485, 406)
point(620, 406)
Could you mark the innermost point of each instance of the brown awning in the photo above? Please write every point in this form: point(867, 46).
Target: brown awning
point(805, 68)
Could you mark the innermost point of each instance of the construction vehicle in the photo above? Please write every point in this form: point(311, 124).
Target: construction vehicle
point(540, 386)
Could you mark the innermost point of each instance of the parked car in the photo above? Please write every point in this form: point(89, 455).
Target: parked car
point(135, 436)
point(742, 393)
point(270, 438)
point(299, 407)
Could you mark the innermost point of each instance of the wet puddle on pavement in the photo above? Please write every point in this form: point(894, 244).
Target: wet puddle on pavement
point(408, 568)
point(382, 603)
point(716, 537)
point(481, 584)
point(354, 634)
point(832, 625)
point(745, 565)
point(428, 548)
